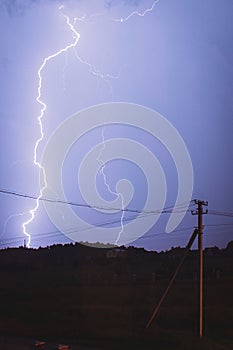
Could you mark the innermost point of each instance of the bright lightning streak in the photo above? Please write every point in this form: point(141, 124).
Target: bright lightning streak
point(119, 195)
point(137, 13)
point(40, 117)
point(95, 72)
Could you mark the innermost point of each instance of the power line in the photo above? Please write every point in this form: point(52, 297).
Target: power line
point(41, 236)
point(51, 234)
point(220, 213)
point(175, 209)
point(56, 233)
point(217, 225)
point(169, 209)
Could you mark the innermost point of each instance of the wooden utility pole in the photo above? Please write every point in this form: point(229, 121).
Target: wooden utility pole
point(199, 211)
point(199, 231)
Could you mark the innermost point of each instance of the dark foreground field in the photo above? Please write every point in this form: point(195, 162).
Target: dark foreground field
point(89, 299)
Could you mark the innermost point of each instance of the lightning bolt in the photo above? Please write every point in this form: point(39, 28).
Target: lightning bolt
point(119, 195)
point(40, 117)
point(94, 71)
point(137, 13)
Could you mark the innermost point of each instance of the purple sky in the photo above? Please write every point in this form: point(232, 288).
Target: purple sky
point(176, 59)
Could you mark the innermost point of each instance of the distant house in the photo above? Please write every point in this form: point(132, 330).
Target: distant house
point(115, 253)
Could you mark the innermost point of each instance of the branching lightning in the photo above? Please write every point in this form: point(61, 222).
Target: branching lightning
point(119, 195)
point(40, 117)
point(137, 13)
point(94, 71)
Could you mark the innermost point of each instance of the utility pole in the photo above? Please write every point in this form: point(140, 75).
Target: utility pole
point(199, 211)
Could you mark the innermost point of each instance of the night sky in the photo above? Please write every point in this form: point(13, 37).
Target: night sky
point(176, 59)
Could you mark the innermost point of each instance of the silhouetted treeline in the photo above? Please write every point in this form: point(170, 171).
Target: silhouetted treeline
point(119, 264)
point(79, 292)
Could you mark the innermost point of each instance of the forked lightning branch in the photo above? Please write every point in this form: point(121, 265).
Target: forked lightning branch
point(43, 105)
